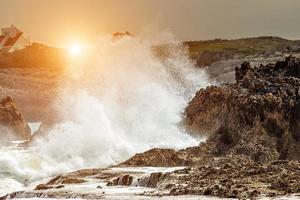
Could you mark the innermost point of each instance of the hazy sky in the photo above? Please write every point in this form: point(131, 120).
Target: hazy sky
point(56, 21)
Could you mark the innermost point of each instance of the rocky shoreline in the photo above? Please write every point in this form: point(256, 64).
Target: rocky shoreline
point(253, 142)
point(252, 148)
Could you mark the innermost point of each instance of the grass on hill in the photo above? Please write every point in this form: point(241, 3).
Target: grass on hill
point(248, 46)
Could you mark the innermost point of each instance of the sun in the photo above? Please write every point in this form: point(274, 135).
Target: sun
point(75, 50)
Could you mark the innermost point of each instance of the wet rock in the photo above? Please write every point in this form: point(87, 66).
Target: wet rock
point(43, 187)
point(125, 180)
point(157, 158)
point(52, 195)
point(12, 122)
point(60, 181)
point(152, 180)
point(252, 129)
point(255, 116)
point(234, 177)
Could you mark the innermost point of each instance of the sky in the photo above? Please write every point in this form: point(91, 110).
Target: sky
point(56, 22)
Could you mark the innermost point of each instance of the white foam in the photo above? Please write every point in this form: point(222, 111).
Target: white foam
point(124, 101)
point(34, 126)
point(117, 102)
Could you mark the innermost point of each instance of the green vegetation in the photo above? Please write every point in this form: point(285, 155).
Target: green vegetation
point(247, 46)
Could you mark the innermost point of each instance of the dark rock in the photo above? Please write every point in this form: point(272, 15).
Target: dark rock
point(156, 158)
point(152, 180)
point(125, 180)
point(252, 129)
point(13, 125)
point(257, 116)
point(43, 187)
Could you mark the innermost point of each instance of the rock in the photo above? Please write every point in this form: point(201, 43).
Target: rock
point(156, 158)
point(60, 181)
point(252, 129)
point(52, 194)
point(125, 180)
point(152, 180)
point(234, 177)
point(12, 122)
point(257, 116)
point(65, 180)
point(43, 187)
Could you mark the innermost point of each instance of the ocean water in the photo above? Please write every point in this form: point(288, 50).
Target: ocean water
point(116, 100)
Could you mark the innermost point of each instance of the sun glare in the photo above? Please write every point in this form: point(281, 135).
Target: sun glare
point(75, 50)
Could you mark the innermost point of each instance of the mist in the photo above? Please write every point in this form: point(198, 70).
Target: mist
point(123, 101)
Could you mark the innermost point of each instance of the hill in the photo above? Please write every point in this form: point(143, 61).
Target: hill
point(246, 46)
point(36, 55)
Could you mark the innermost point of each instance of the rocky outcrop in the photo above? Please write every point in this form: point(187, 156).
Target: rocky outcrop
point(258, 116)
point(156, 158)
point(152, 180)
point(12, 123)
point(252, 129)
point(167, 157)
point(125, 180)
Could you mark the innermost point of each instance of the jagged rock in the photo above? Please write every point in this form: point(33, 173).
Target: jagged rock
point(12, 123)
point(152, 180)
point(156, 158)
point(125, 180)
point(253, 145)
point(258, 116)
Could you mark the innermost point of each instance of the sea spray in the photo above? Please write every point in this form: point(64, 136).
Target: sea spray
point(120, 100)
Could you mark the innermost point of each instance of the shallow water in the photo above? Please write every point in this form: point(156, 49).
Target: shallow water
point(116, 192)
